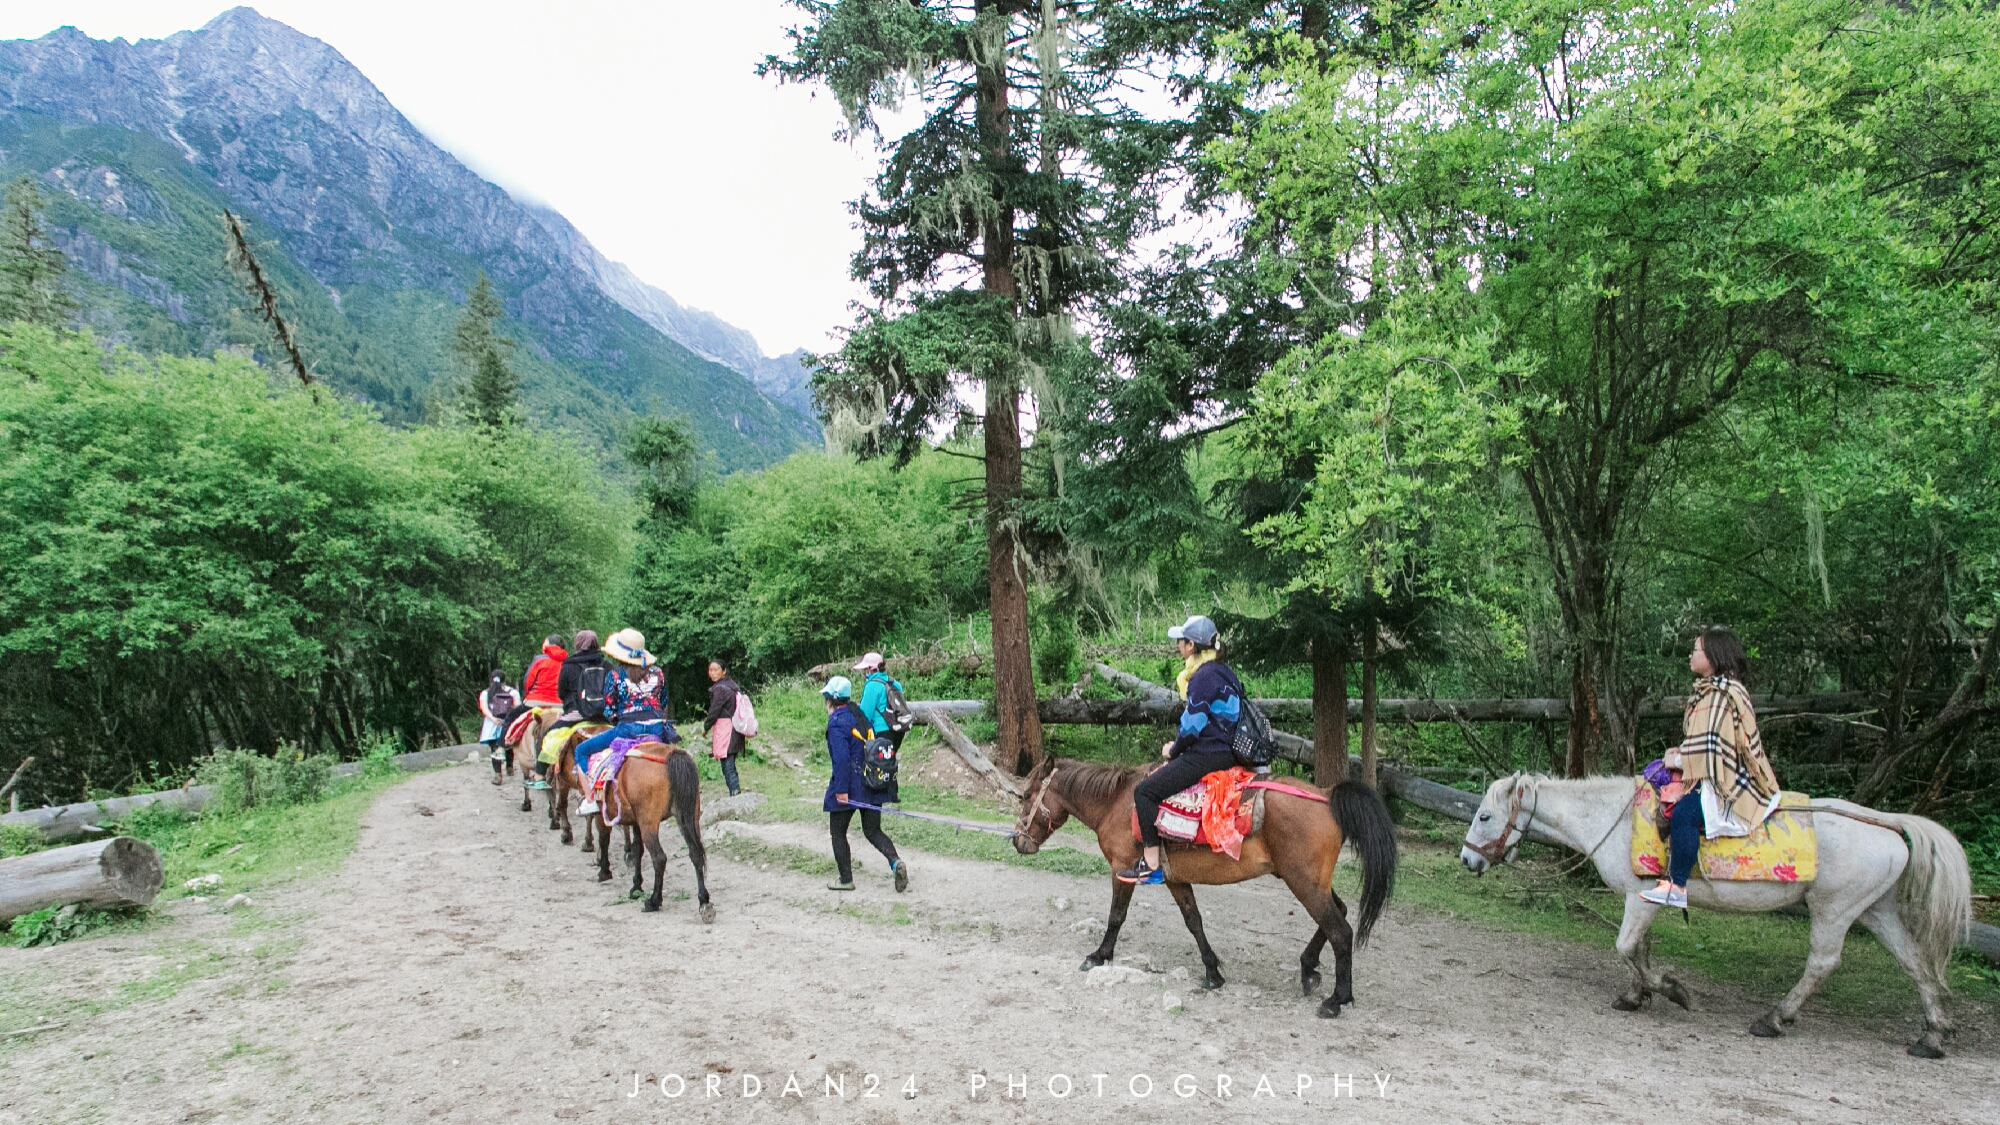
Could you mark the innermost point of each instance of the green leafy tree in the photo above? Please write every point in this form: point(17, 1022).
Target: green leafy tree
point(33, 270)
point(1629, 218)
point(491, 394)
point(671, 463)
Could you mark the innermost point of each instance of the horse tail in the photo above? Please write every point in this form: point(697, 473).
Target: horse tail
point(1935, 892)
point(1364, 822)
point(684, 797)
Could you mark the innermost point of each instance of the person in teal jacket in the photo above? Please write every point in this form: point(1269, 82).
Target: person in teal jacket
point(875, 698)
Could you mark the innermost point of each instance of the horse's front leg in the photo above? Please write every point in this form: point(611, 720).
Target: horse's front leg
point(1191, 914)
point(1635, 944)
point(1121, 900)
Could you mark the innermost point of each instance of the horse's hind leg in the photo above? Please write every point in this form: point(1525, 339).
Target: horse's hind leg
point(632, 857)
point(1121, 901)
point(1330, 913)
point(658, 854)
point(1886, 923)
point(1191, 914)
point(595, 823)
point(1309, 978)
point(1829, 934)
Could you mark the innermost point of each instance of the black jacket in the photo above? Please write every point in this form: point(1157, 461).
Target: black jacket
point(722, 705)
point(569, 681)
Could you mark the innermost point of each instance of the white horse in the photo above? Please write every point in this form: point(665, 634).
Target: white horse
point(1903, 877)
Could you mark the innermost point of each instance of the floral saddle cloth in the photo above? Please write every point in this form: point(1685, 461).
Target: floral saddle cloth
point(1783, 849)
point(1213, 812)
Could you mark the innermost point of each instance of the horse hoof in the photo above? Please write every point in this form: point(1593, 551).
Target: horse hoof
point(1212, 983)
point(1309, 983)
point(1767, 1028)
point(638, 893)
point(1923, 1050)
point(567, 839)
point(1089, 963)
point(650, 906)
point(1628, 1004)
point(707, 913)
point(1679, 995)
point(604, 876)
point(1329, 1010)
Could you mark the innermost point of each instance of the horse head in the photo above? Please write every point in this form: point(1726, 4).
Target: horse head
point(1042, 810)
point(1497, 828)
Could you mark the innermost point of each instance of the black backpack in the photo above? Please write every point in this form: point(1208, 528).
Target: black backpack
point(878, 763)
point(590, 701)
point(896, 711)
point(1253, 745)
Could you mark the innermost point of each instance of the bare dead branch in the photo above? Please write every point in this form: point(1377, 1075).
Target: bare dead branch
point(266, 297)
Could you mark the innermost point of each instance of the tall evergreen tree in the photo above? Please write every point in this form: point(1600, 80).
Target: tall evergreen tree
point(491, 396)
point(32, 267)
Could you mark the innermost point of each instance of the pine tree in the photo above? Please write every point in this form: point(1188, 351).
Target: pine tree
point(32, 268)
point(491, 396)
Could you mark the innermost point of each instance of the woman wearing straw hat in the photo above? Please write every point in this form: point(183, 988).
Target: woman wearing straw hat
point(635, 701)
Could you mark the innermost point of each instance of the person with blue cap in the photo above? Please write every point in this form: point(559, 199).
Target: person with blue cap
point(847, 736)
point(1208, 726)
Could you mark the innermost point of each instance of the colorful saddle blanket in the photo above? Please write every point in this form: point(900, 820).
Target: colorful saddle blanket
point(1212, 811)
point(1783, 849)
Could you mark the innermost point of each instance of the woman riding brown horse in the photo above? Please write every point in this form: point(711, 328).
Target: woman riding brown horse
point(1298, 842)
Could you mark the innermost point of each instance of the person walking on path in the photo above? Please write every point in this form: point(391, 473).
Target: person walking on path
point(1214, 703)
point(875, 698)
point(495, 704)
point(847, 732)
point(1723, 782)
point(725, 741)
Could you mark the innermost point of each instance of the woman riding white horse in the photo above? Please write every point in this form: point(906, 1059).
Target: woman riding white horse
point(1903, 877)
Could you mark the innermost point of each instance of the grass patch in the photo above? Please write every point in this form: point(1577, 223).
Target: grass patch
point(1764, 954)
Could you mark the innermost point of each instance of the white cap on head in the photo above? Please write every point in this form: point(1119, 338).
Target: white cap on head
point(871, 661)
point(1198, 629)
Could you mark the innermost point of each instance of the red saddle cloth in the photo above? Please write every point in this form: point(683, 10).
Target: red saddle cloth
point(1211, 811)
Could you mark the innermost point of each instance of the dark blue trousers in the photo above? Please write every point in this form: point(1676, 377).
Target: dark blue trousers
point(1687, 828)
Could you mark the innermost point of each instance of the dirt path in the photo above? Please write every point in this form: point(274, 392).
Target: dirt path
point(465, 967)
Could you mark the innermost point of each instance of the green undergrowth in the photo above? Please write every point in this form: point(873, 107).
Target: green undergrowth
point(1762, 954)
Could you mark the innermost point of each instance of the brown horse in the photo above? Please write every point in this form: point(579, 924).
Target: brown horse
point(1298, 842)
point(642, 795)
point(522, 754)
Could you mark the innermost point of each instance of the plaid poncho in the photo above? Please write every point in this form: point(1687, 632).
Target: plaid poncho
point(1720, 744)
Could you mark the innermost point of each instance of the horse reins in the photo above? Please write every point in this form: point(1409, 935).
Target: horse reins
point(1027, 822)
point(1495, 851)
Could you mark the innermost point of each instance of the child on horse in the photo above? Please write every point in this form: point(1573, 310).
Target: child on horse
point(635, 702)
point(847, 733)
point(1722, 785)
point(1214, 704)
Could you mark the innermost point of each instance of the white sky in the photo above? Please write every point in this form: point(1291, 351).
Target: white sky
point(640, 120)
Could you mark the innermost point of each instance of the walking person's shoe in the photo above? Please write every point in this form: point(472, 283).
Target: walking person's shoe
point(846, 886)
point(902, 871)
point(1142, 874)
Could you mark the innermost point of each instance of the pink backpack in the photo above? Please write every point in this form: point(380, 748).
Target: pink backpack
point(745, 718)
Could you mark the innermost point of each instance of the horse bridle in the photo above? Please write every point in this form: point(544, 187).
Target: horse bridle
point(1495, 851)
point(1027, 821)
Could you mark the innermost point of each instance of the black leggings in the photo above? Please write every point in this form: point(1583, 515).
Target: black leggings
point(871, 827)
point(1169, 780)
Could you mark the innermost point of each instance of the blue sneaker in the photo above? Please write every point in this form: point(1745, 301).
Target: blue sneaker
point(1142, 875)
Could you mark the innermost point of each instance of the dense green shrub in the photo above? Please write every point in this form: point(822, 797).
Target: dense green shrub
point(194, 553)
point(244, 779)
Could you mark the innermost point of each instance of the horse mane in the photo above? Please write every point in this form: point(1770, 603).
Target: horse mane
point(1091, 782)
point(1593, 782)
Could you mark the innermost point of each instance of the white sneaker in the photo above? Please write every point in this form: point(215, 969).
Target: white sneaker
point(588, 808)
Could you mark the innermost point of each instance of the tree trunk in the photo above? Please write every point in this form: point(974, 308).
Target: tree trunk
point(1020, 734)
point(120, 871)
point(1329, 669)
point(1370, 644)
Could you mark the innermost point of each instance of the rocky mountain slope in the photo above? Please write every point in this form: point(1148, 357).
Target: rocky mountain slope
point(373, 232)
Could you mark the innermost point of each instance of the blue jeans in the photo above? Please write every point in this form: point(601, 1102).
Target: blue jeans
point(650, 728)
point(1687, 827)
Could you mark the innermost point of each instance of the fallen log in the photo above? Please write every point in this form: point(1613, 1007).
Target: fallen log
point(923, 664)
point(955, 738)
point(1144, 689)
point(1158, 711)
point(116, 872)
